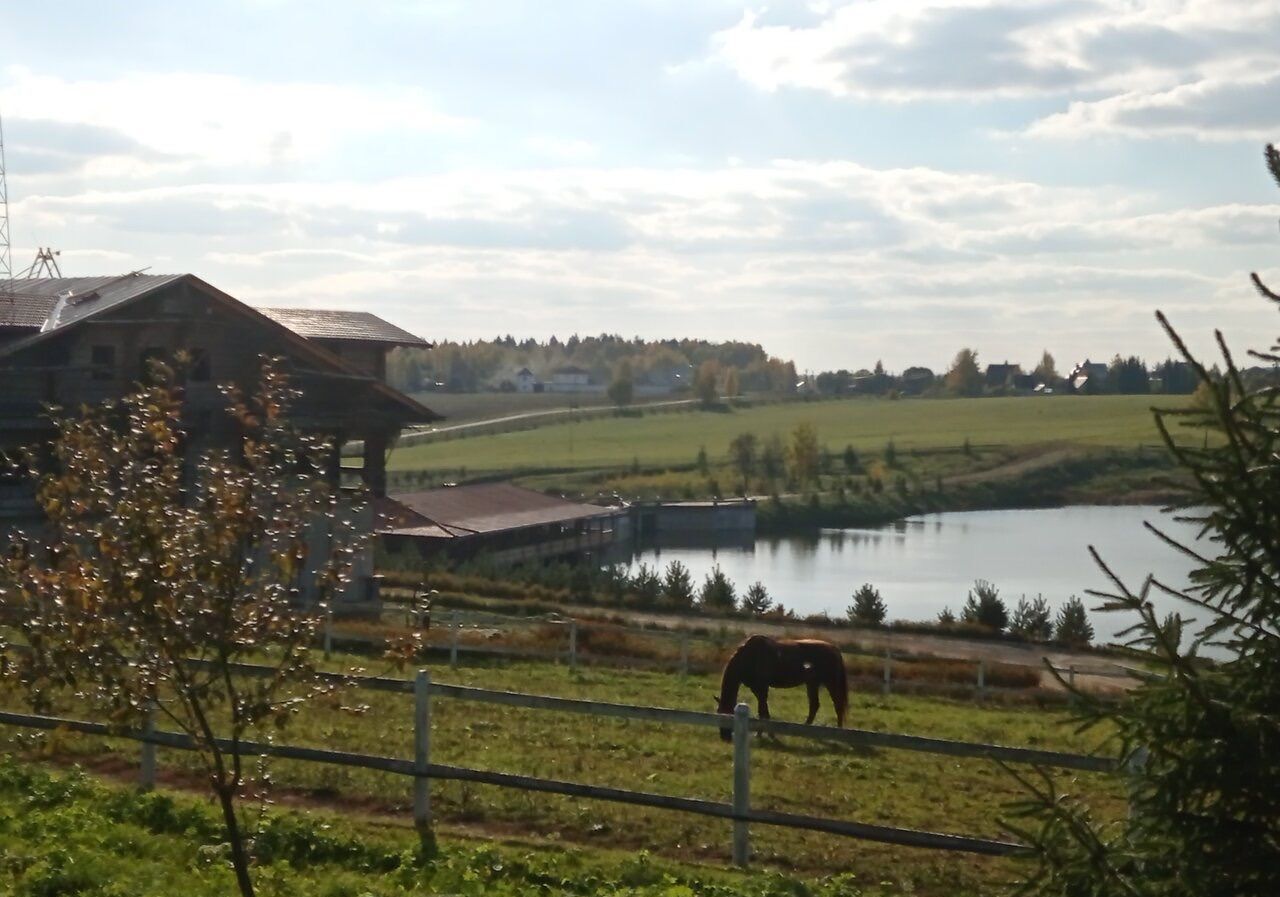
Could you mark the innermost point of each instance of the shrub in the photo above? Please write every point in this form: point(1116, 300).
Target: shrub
point(756, 601)
point(868, 607)
point(946, 617)
point(717, 592)
point(1032, 619)
point(1072, 627)
point(985, 607)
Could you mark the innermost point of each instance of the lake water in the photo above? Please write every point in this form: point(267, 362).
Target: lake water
point(923, 564)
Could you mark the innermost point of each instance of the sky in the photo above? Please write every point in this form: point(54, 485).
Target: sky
point(840, 182)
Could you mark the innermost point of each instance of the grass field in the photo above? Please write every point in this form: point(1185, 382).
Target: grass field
point(889, 787)
point(469, 407)
point(867, 424)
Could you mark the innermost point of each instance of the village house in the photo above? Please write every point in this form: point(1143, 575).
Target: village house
point(65, 342)
point(572, 378)
point(525, 381)
point(1088, 376)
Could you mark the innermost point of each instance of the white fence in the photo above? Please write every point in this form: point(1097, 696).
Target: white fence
point(422, 770)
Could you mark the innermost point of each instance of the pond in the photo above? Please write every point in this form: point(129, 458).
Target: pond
point(926, 563)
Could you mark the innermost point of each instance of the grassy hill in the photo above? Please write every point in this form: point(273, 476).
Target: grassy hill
point(867, 424)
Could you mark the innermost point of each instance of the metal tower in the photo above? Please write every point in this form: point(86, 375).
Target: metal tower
point(6, 253)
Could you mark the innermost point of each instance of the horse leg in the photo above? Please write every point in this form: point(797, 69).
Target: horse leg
point(762, 704)
point(813, 702)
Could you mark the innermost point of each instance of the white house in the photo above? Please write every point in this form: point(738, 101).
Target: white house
point(572, 378)
point(526, 382)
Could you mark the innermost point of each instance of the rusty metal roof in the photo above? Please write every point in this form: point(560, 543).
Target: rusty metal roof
point(316, 323)
point(53, 302)
point(489, 507)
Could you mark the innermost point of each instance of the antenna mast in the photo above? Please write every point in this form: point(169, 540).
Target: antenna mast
point(6, 254)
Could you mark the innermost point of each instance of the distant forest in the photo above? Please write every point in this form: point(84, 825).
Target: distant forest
point(667, 364)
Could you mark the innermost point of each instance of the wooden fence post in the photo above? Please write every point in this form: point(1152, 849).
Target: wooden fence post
point(454, 625)
point(147, 766)
point(421, 749)
point(888, 674)
point(741, 783)
point(684, 654)
point(982, 678)
point(573, 644)
point(328, 631)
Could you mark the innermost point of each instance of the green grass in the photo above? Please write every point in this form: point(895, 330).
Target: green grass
point(889, 787)
point(867, 424)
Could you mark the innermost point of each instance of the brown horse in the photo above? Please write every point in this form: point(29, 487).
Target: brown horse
point(761, 662)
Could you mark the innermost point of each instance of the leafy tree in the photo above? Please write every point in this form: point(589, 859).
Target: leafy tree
point(1046, 371)
point(622, 389)
point(647, 585)
point(757, 601)
point(804, 453)
point(1072, 626)
point(965, 377)
point(1201, 739)
point(677, 586)
point(868, 607)
point(1032, 619)
point(985, 607)
point(773, 458)
point(705, 383)
point(159, 570)
point(732, 383)
point(742, 454)
point(717, 592)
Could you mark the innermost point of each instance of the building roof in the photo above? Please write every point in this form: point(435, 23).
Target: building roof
point(489, 507)
point(316, 323)
point(51, 302)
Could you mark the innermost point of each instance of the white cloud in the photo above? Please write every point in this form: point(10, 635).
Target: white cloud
point(181, 120)
point(1205, 68)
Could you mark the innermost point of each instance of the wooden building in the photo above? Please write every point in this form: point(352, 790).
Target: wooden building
point(65, 342)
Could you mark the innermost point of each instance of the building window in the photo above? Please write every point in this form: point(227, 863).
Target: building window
point(103, 359)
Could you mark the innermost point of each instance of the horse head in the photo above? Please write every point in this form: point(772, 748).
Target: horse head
point(725, 707)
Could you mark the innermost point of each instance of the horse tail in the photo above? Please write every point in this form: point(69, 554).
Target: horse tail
point(839, 688)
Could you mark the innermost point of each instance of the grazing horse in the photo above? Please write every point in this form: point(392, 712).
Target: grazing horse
point(761, 662)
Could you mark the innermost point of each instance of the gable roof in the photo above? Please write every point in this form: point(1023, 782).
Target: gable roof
point(315, 323)
point(71, 300)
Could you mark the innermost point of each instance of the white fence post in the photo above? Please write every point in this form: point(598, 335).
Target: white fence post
point(454, 625)
point(573, 644)
point(147, 766)
point(888, 672)
point(982, 678)
point(421, 749)
point(741, 783)
point(328, 631)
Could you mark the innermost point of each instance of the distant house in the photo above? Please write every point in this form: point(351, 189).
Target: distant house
point(666, 379)
point(525, 381)
point(1001, 375)
point(572, 378)
point(1025, 382)
point(1088, 376)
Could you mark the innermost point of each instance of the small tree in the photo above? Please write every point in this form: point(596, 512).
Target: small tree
point(161, 571)
point(803, 453)
point(647, 586)
point(757, 601)
point(705, 383)
point(701, 461)
point(677, 586)
point(946, 617)
point(1047, 371)
point(851, 464)
point(742, 454)
point(1032, 619)
point(717, 592)
point(732, 383)
point(868, 608)
point(622, 389)
point(964, 378)
point(773, 458)
point(985, 607)
point(1072, 626)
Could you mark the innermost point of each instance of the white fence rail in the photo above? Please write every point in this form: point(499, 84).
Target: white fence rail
point(422, 770)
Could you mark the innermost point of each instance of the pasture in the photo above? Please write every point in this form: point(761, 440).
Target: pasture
point(884, 786)
point(867, 424)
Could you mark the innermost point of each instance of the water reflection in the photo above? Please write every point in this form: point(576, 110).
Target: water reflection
point(924, 564)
